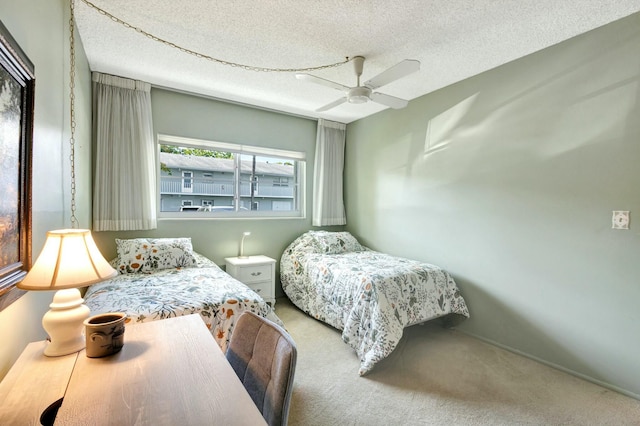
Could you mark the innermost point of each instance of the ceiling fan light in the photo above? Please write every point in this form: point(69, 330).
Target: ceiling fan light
point(359, 95)
point(358, 99)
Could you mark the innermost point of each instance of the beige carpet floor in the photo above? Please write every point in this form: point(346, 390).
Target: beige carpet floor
point(438, 376)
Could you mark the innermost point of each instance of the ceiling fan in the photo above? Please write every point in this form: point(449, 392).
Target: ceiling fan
point(365, 92)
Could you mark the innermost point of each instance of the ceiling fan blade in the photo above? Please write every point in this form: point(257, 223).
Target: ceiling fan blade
point(397, 71)
point(390, 101)
point(322, 81)
point(332, 104)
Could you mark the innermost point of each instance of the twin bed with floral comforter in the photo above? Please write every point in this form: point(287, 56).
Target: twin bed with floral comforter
point(370, 296)
point(163, 278)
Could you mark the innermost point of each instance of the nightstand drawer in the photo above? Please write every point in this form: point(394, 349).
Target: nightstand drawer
point(262, 288)
point(250, 274)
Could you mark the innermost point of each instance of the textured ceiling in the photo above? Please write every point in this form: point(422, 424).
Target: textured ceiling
point(453, 40)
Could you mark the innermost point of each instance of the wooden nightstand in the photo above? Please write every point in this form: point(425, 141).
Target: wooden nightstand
point(257, 272)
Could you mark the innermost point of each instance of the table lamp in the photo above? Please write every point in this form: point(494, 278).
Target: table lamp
point(244, 234)
point(69, 259)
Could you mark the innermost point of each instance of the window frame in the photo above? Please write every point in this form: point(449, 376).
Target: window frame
point(299, 180)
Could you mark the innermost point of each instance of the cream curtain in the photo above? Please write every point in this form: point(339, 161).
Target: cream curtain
point(125, 174)
point(328, 205)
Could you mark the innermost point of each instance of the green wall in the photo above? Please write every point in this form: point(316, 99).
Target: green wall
point(41, 30)
point(187, 115)
point(508, 180)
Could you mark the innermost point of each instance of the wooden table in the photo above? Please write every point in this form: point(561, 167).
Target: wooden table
point(169, 372)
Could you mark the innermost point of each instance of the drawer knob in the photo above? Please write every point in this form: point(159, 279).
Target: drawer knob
point(255, 274)
point(258, 290)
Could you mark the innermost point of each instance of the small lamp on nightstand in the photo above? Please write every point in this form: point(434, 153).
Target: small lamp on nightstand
point(69, 259)
point(244, 234)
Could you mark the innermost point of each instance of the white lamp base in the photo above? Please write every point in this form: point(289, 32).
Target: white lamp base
point(64, 323)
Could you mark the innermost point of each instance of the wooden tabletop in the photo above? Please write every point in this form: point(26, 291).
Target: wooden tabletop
point(169, 372)
point(33, 383)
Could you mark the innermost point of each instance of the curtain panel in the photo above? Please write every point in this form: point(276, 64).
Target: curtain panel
point(328, 204)
point(125, 169)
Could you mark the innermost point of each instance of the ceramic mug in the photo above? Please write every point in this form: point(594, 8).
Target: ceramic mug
point(104, 334)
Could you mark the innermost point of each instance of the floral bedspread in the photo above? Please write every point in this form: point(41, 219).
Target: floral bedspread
point(370, 296)
point(207, 290)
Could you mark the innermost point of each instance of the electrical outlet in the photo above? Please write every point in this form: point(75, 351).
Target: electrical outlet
point(620, 219)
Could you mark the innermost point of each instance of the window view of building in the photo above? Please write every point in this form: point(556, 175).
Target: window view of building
point(227, 183)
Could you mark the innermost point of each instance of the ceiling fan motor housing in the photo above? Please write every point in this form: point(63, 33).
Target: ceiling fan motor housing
point(359, 95)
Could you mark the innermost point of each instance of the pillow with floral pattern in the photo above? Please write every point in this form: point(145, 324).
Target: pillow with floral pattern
point(147, 255)
point(336, 242)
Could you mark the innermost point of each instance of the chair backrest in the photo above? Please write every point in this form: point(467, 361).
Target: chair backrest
point(263, 356)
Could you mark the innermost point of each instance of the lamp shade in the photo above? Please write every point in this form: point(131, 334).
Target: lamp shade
point(69, 259)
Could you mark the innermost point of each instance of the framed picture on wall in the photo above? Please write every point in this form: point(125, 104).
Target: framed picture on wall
point(17, 86)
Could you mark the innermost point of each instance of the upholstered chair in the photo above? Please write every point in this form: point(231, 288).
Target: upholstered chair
point(263, 356)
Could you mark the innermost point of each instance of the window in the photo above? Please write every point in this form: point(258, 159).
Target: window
point(228, 180)
point(186, 181)
point(281, 181)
